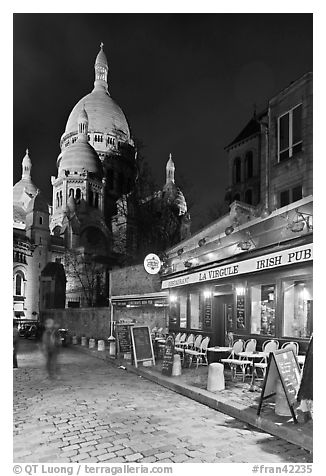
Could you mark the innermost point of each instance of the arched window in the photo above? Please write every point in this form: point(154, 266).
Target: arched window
point(237, 170)
point(236, 197)
point(96, 200)
point(78, 194)
point(71, 192)
point(248, 196)
point(249, 164)
point(41, 220)
point(60, 194)
point(19, 284)
point(58, 202)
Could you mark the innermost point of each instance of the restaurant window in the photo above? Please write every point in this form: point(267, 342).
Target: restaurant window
point(297, 308)
point(194, 311)
point(290, 133)
point(263, 309)
point(183, 310)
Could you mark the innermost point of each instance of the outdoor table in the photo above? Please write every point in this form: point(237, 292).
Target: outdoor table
point(252, 356)
point(219, 349)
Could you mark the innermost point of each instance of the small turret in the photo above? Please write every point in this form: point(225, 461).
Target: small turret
point(83, 125)
point(26, 166)
point(170, 168)
point(101, 70)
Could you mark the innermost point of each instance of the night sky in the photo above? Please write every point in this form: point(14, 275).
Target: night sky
point(187, 83)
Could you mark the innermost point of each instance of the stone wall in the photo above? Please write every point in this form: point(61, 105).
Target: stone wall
point(134, 280)
point(88, 322)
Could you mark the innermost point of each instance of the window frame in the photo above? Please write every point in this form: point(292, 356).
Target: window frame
point(291, 145)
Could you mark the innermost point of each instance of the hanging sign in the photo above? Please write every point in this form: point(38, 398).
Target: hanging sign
point(142, 345)
point(167, 363)
point(152, 264)
point(282, 365)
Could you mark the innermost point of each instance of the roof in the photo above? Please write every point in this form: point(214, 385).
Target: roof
point(38, 203)
point(253, 127)
point(24, 184)
point(80, 156)
point(19, 214)
point(104, 115)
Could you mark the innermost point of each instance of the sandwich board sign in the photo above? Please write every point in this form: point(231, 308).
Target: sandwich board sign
point(282, 365)
point(168, 354)
point(142, 345)
point(123, 339)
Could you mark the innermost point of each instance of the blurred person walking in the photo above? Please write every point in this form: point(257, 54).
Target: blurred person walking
point(16, 341)
point(50, 347)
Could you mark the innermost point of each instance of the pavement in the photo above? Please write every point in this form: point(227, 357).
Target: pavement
point(237, 400)
point(97, 412)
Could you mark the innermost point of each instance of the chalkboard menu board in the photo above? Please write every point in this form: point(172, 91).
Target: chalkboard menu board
point(123, 338)
point(168, 356)
point(142, 345)
point(208, 313)
point(282, 365)
point(240, 312)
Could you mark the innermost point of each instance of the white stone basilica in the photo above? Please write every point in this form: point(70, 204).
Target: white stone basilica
point(96, 170)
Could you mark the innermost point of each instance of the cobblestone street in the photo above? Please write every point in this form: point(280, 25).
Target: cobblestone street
point(96, 412)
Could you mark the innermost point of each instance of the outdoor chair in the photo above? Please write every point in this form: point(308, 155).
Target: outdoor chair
point(291, 345)
point(182, 346)
point(195, 346)
point(250, 345)
point(235, 362)
point(267, 347)
point(200, 354)
point(177, 338)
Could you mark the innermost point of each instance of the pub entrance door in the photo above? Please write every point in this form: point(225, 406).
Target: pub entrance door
point(223, 315)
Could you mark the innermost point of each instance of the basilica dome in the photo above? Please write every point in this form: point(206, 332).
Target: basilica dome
point(25, 184)
point(104, 114)
point(80, 157)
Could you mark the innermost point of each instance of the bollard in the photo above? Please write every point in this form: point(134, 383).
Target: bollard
point(281, 404)
point(101, 345)
point(91, 343)
point(74, 340)
point(112, 346)
point(215, 380)
point(84, 341)
point(176, 367)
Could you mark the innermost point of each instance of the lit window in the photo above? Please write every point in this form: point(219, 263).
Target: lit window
point(194, 311)
point(290, 133)
point(263, 309)
point(297, 308)
point(19, 285)
point(183, 310)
